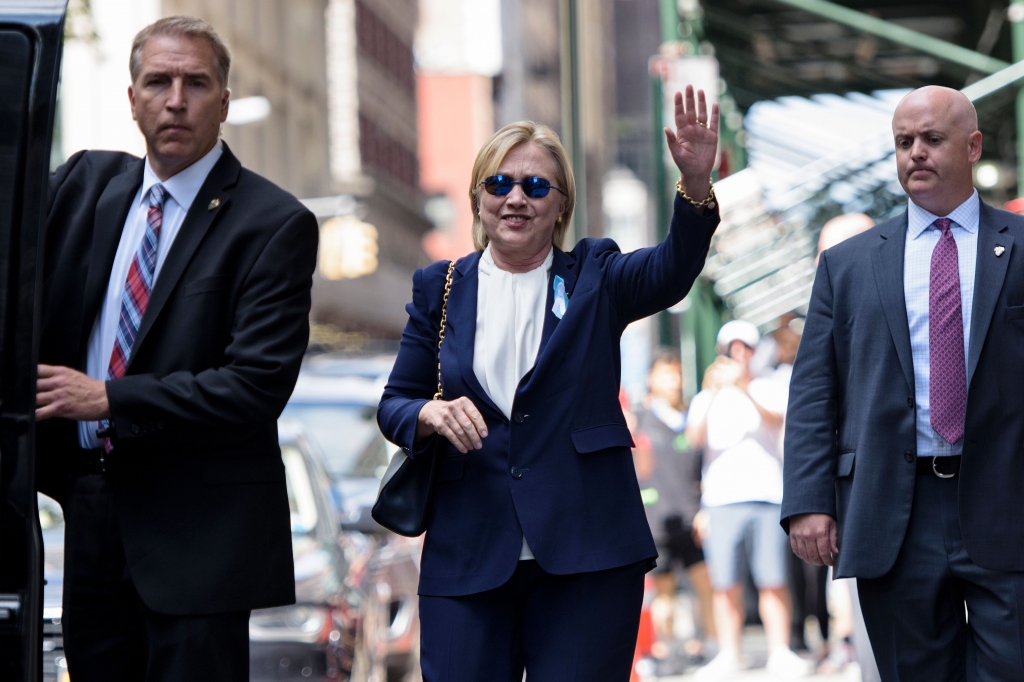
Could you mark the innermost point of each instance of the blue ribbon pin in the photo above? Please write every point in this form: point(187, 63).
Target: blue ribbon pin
point(561, 299)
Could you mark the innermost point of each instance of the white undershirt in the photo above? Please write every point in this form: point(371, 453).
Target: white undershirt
point(182, 189)
point(510, 312)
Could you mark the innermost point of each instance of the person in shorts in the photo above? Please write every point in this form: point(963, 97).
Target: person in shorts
point(737, 420)
point(669, 471)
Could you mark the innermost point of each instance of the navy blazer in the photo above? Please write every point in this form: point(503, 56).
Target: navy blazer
point(561, 470)
point(850, 433)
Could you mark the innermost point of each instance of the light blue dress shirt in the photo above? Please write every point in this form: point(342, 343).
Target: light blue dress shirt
point(181, 192)
point(922, 236)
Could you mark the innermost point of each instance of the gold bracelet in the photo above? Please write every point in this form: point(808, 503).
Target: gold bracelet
point(709, 201)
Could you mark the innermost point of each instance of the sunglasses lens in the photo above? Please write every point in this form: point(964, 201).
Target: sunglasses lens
point(501, 185)
point(536, 188)
point(498, 185)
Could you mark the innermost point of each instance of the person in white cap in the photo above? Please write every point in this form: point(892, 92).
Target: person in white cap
point(737, 419)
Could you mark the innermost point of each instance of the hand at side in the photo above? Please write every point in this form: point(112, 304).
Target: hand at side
point(813, 537)
point(457, 420)
point(64, 392)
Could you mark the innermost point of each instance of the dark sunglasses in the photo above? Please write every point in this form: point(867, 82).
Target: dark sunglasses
point(533, 187)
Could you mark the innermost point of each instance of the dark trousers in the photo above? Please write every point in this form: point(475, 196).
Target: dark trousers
point(109, 633)
point(915, 614)
point(559, 628)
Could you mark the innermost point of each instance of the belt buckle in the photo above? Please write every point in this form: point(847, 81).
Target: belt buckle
point(936, 471)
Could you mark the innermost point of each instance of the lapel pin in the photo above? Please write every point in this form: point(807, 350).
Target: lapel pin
point(561, 299)
point(999, 251)
point(216, 202)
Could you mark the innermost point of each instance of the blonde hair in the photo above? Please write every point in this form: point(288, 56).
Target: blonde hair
point(182, 27)
point(494, 152)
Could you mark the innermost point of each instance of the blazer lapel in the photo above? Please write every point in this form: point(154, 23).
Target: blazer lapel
point(988, 279)
point(111, 213)
point(462, 303)
point(562, 265)
point(887, 260)
point(198, 220)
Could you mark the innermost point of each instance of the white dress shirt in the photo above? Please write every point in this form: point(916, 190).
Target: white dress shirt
point(181, 192)
point(922, 236)
point(510, 312)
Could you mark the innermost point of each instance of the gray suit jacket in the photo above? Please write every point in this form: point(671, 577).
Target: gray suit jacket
point(850, 434)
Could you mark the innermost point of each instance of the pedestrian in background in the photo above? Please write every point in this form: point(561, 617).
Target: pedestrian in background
point(537, 544)
point(737, 420)
point(669, 469)
point(175, 314)
point(903, 448)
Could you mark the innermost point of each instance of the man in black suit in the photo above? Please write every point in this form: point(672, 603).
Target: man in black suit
point(176, 295)
point(903, 462)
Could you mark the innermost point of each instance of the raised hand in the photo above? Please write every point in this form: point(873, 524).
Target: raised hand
point(694, 142)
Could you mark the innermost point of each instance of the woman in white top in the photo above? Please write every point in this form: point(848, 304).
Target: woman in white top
point(537, 543)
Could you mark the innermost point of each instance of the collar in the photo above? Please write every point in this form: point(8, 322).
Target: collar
point(487, 266)
point(965, 215)
point(185, 185)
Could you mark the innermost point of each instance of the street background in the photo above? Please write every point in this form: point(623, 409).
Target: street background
point(372, 112)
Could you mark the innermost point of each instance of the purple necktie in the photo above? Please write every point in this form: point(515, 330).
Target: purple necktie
point(947, 386)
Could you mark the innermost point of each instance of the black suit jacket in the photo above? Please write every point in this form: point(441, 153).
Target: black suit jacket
point(850, 433)
point(196, 469)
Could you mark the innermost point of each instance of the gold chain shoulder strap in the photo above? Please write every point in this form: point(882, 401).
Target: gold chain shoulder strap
point(444, 322)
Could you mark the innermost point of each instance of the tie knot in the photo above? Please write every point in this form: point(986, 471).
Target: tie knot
point(943, 224)
point(157, 194)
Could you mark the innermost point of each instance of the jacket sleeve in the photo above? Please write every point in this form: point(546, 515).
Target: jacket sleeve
point(413, 380)
point(809, 467)
point(649, 280)
point(269, 335)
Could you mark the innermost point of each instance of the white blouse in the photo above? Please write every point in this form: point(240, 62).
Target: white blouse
point(510, 312)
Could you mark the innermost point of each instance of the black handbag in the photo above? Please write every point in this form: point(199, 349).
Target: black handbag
point(407, 488)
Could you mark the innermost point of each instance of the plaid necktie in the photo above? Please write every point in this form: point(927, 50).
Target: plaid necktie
point(135, 297)
point(947, 384)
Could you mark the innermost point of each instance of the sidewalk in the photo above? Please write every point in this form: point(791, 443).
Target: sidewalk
point(755, 653)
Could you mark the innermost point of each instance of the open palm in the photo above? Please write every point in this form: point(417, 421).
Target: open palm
point(694, 142)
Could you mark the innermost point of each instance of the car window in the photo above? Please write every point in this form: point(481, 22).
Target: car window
point(346, 435)
point(301, 502)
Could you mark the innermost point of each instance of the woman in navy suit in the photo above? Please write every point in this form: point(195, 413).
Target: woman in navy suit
point(537, 544)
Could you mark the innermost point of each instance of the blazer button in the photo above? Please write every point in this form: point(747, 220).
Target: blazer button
point(909, 456)
point(519, 417)
point(516, 472)
point(910, 403)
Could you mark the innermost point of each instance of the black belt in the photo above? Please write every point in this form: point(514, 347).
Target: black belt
point(88, 462)
point(943, 467)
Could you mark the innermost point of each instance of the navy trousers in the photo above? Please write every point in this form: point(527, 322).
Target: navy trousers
point(558, 628)
point(915, 615)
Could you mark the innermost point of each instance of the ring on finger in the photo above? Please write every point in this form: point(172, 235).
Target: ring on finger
point(702, 124)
